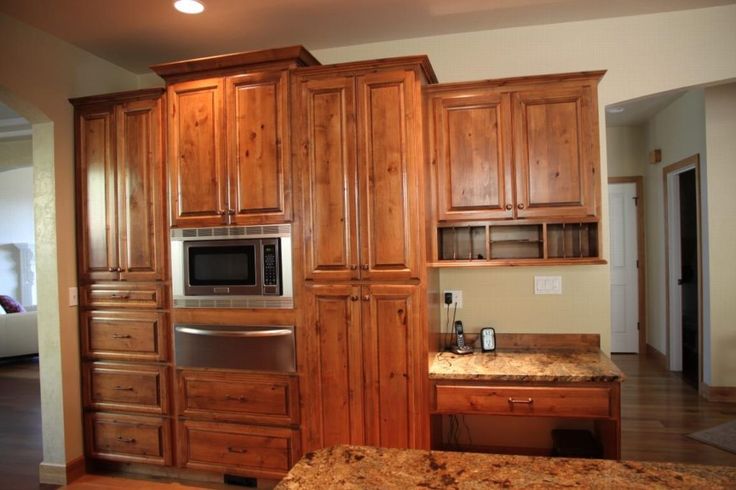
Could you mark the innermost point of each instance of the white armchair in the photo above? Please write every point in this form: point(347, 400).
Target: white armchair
point(18, 334)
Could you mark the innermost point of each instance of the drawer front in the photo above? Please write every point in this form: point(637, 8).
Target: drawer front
point(589, 402)
point(126, 387)
point(262, 399)
point(124, 295)
point(128, 438)
point(267, 452)
point(140, 335)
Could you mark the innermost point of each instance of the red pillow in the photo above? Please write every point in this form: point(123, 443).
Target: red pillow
point(10, 305)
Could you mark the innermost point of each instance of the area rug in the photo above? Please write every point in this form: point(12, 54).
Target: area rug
point(721, 436)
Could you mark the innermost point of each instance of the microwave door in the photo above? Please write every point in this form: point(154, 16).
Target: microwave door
point(222, 268)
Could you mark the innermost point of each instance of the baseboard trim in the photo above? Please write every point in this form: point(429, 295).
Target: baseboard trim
point(725, 394)
point(61, 474)
point(657, 356)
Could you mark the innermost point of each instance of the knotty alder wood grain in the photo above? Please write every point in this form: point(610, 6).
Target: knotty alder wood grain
point(125, 335)
point(128, 438)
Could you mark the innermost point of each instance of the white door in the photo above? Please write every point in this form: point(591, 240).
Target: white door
point(624, 276)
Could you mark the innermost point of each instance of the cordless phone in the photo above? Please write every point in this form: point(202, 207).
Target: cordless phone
point(459, 347)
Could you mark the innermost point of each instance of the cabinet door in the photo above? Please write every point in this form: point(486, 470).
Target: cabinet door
point(197, 166)
point(389, 153)
point(556, 152)
point(395, 408)
point(258, 147)
point(141, 204)
point(98, 257)
point(472, 134)
point(332, 389)
point(326, 136)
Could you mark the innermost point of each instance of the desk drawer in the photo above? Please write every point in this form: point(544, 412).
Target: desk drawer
point(132, 438)
point(125, 335)
point(588, 402)
point(124, 295)
point(127, 387)
point(267, 452)
point(255, 398)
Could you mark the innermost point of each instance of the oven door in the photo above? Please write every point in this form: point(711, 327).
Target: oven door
point(253, 348)
point(222, 267)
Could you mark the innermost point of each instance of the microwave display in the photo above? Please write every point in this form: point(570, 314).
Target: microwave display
point(222, 265)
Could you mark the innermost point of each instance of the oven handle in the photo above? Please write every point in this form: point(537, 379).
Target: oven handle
point(274, 332)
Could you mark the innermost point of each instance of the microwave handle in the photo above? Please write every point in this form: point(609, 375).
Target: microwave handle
point(274, 332)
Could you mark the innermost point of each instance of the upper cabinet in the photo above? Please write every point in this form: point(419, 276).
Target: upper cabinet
point(228, 137)
point(120, 194)
point(359, 155)
point(519, 148)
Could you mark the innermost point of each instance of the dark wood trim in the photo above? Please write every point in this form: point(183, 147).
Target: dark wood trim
point(657, 356)
point(694, 161)
point(118, 97)
point(640, 252)
point(518, 82)
point(725, 394)
point(421, 62)
point(290, 55)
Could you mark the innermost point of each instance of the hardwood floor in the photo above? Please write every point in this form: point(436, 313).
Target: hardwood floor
point(658, 410)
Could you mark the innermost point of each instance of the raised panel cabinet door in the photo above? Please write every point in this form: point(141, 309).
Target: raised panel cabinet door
point(395, 408)
point(258, 147)
point(141, 204)
point(473, 149)
point(197, 166)
point(333, 405)
point(389, 115)
point(96, 191)
point(556, 152)
point(326, 153)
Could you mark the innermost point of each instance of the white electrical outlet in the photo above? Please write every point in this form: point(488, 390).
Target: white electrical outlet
point(73, 297)
point(547, 284)
point(457, 297)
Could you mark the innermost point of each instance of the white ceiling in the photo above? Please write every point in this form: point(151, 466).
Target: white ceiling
point(12, 126)
point(638, 111)
point(135, 34)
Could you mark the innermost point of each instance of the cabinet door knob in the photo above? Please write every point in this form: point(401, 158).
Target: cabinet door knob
point(353, 267)
point(520, 205)
point(111, 269)
point(231, 212)
point(364, 267)
point(366, 298)
point(508, 207)
point(119, 269)
point(221, 212)
point(354, 298)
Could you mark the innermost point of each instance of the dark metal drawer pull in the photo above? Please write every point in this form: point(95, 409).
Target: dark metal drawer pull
point(240, 398)
point(528, 401)
point(126, 440)
point(123, 388)
point(238, 450)
point(120, 336)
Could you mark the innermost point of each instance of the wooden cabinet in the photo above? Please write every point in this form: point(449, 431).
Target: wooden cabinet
point(367, 365)
point(517, 148)
point(360, 162)
point(126, 387)
point(120, 192)
point(128, 438)
point(128, 335)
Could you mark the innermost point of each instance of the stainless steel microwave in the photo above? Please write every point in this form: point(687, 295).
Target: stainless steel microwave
point(232, 267)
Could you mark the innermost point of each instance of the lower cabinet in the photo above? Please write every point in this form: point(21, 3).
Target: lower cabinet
point(365, 370)
point(129, 438)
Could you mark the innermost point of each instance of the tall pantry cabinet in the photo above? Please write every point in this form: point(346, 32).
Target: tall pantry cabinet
point(358, 154)
point(123, 277)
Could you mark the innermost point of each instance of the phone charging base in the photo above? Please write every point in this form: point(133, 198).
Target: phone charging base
point(466, 349)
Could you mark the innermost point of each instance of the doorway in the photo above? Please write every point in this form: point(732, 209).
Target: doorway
point(684, 269)
point(626, 218)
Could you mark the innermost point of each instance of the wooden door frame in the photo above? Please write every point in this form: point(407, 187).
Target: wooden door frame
point(641, 254)
point(671, 170)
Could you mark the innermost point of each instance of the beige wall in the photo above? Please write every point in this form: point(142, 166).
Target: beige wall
point(627, 150)
point(38, 73)
point(720, 129)
point(643, 55)
point(15, 154)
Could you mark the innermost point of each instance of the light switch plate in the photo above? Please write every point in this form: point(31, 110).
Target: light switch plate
point(73, 296)
point(457, 297)
point(547, 284)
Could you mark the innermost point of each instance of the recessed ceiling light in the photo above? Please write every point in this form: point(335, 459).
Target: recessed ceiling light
point(617, 109)
point(189, 6)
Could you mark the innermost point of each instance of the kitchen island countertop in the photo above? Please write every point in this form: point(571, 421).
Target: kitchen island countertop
point(354, 467)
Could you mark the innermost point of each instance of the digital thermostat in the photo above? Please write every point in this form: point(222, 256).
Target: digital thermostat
point(487, 339)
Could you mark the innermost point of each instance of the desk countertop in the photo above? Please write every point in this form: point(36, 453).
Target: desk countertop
point(354, 467)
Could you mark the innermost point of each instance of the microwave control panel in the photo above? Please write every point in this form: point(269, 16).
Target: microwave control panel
point(270, 267)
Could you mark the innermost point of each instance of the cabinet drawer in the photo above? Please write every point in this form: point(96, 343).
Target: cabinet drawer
point(124, 295)
point(126, 387)
point(256, 398)
point(593, 402)
point(267, 452)
point(130, 438)
point(139, 335)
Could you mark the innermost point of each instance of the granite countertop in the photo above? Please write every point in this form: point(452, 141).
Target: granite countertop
point(567, 366)
point(354, 467)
